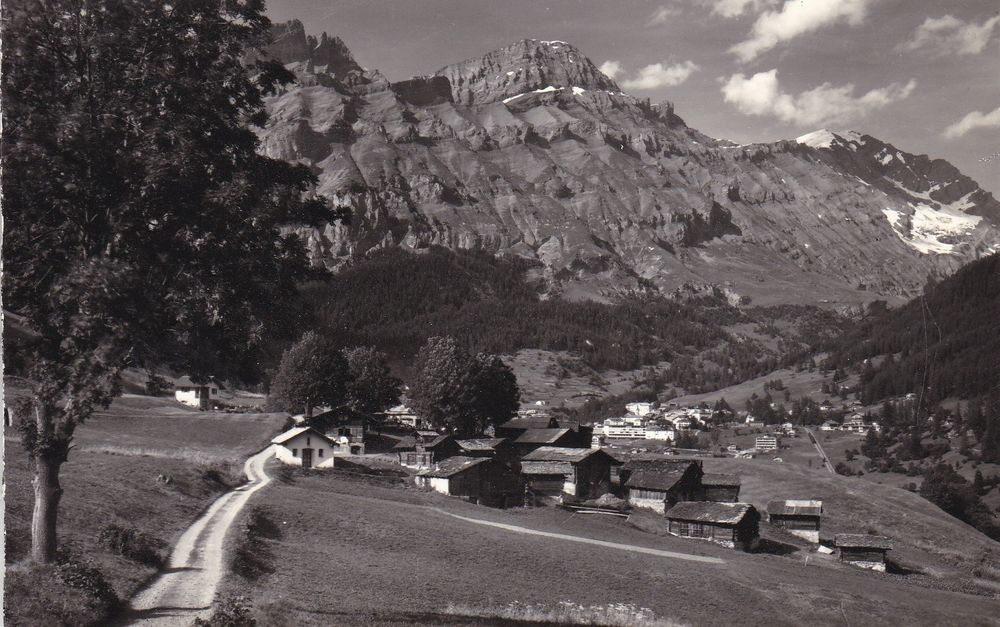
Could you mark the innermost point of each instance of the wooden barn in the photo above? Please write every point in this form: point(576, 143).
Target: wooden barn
point(537, 438)
point(734, 525)
point(487, 447)
point(658, 484)
point(799, 517)
point(513, 429)
point(423, 452)
point(478, 479)
point(863, 551)
point(346, 427)
point(720, 488)
point(580, 473)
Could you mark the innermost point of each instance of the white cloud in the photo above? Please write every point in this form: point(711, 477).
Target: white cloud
point(973, 121)
point(660, 75)
point(796, 18)
point(949, 35)
point(611, 69)
point(827, 104)
point(663, 15)
point(736, 8)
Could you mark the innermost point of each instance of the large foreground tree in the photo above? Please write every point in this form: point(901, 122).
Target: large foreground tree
point(141, 225)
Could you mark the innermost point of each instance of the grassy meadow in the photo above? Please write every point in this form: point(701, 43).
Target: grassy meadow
point(350, 550)
point(148, 466)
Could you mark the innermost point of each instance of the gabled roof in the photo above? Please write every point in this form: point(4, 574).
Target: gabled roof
point(728, 481)
point(795, 508)
point(409, 442)
point(707, 511)
point(560, 454)
point(541, 436)
point(297, 431)
point(343, 415)
point(452, 466)
point(862, 541)
point(660, 480)
point(481, 444)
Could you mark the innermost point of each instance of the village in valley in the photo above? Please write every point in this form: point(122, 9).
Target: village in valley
point(631, 463)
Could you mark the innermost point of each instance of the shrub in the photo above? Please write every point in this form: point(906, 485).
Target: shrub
point(66, 593)
point(231, 612)
point(132, 544)
point(88, 580)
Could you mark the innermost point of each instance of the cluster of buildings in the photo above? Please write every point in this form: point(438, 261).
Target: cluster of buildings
point(649, 422)
point(535, 458)
point(855, 423)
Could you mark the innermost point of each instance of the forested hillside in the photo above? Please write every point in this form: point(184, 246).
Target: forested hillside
point(946, 342)
point(395, 300)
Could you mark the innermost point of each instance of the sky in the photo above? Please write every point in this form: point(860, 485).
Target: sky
point(923, 75)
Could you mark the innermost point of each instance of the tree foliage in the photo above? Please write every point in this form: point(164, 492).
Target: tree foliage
point(372, 386)
point(312, 373)
point(141, 224)
point(461, 392)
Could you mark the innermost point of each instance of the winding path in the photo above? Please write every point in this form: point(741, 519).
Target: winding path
point(186, 588)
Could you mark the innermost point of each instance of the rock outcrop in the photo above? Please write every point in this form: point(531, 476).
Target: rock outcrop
point(530, 150)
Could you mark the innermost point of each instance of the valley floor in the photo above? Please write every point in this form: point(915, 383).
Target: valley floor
point(360, 550)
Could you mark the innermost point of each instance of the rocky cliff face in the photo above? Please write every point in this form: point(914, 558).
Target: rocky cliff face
point(530, 150)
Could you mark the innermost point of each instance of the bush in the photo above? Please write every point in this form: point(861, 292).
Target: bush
point(132, 544)
point(231, 612)
point(88, 580)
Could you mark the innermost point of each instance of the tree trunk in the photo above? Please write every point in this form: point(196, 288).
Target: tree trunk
point(43, 518)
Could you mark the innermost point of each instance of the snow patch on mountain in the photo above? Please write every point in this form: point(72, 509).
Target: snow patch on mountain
point(824, 138)
point(932, 231)
point(543, 90)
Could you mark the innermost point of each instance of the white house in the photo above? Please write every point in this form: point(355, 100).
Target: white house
point(766, 443)
point(656, 432)
point(304, 446)
point(404, 415)
point(197, 395)
point(639, 409)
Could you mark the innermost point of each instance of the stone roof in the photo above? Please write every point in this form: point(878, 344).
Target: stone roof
point(481, 444)
point(452, 466)
point(560, 454)
point(795, 508)
point(541, 436)
point(706, 511)
point(661, 480)
point(862, 541)
point(729, 481)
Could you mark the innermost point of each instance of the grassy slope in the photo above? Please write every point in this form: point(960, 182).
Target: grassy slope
point(147, 438)
point(352, 552)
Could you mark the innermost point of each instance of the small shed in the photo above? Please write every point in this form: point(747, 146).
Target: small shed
point(200, 394)
point(734, 525)
point(720, 488)
point(420, 452)
point(583, 473)
point(863, 551)
point(304, 446)
point(799, 517)
point(658, 484)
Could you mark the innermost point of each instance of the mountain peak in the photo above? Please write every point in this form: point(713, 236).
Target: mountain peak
point(326, 54)
point(528, 65)
point(824, 138)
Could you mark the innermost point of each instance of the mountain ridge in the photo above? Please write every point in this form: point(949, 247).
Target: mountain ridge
point(529, 150)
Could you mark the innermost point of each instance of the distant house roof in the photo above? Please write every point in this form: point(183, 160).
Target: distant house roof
point(342, 415)
point(559, 454)
point(862, 541)
point(541, 436)
point(409, 442)
point(297, 431)
point(187, 382)
point(795, 508)
point(706, 511)
point(727, 481)
point(481, 444)
point(452, 466)
point(533, 422)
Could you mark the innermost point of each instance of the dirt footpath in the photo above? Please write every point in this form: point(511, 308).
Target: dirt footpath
point(186, 588)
